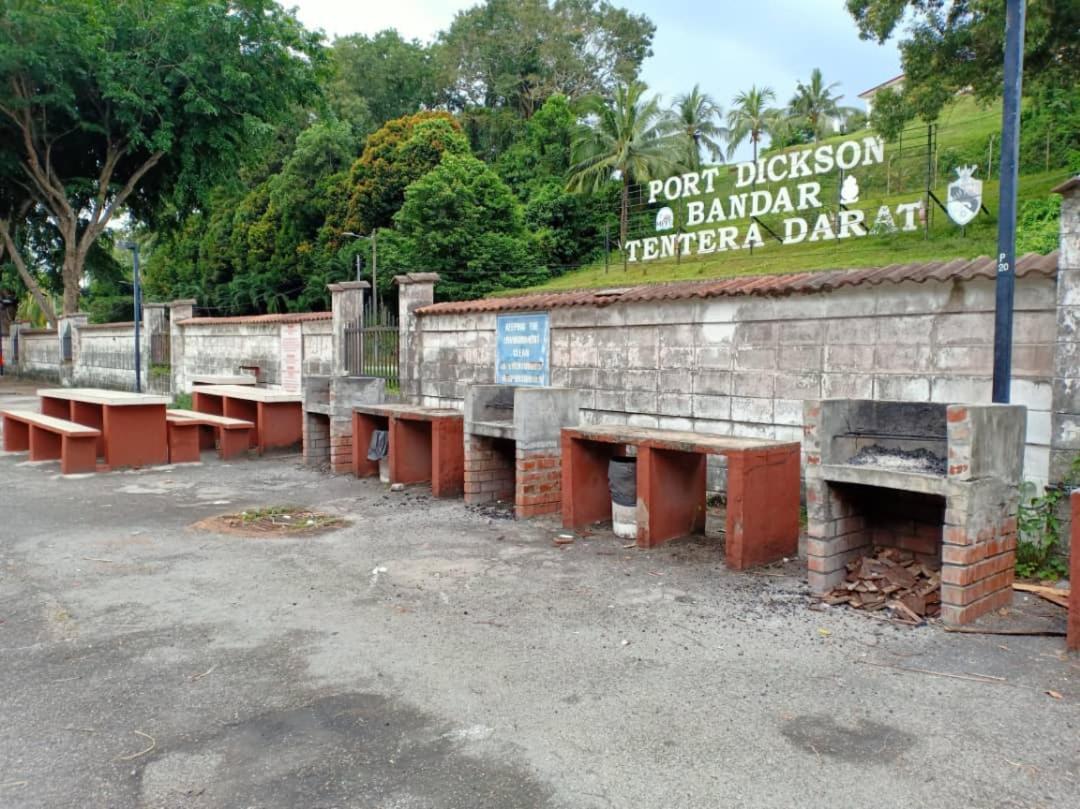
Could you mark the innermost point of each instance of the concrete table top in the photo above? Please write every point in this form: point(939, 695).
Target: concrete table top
point(681, 440)
point(414, 412)
point(112, 398)
point(251, 394)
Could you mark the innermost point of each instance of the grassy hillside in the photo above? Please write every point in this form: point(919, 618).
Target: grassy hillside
point(966, 134)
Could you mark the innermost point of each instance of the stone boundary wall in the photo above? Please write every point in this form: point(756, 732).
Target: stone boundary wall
point(745, 365)
point(39, 353)
point(104, 356)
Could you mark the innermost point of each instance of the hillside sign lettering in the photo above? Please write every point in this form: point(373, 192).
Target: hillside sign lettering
point(692, 191)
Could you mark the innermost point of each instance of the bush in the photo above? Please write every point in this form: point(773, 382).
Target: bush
point(1038, 225)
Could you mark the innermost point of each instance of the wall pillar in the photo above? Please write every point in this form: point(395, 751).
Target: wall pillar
point(179, 311)
point(66, 324)
point(155, 322)
point(415, 290)
point(347, 306)
point(1065, 418)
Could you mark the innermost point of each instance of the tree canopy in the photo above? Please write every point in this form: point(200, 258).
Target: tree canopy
point(120, 103)
point(952, 45)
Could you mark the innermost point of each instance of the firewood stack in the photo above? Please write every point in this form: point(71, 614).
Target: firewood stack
point(891, 579)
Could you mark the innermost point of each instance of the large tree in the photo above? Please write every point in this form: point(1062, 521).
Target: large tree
point(378, 78)
point(816, 104)
point(750, 118)
point(630, 139)
point(698, 118)
point(107, 104)
point(517, 53)
point(952, 45)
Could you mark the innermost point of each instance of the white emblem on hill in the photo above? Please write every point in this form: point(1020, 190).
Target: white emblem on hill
point(665, 219)
point(965, 196)
point(849, 191)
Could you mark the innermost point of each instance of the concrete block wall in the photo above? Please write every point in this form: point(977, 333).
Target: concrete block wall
point(744, 366)
point(104, 357)
point(39, 353)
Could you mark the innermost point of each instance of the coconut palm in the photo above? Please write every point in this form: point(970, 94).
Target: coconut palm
point(751, 117)
point(629, 138)
point(697, 118)
point(816, 105)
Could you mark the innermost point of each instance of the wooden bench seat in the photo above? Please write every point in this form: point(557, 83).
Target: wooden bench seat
point(233, 436)
point(49, 438)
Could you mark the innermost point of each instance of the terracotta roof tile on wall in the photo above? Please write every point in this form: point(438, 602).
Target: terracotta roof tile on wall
point(776, 284)
point(299, 317)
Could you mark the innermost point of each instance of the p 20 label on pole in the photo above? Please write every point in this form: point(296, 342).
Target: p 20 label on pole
point(522, 349)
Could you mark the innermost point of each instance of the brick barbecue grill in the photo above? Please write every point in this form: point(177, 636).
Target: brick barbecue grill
point(513, 445)
point(940, 481)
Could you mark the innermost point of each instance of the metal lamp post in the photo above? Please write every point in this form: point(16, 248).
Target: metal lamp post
point(374, 265)
point(134, 248)
point(1008, 165)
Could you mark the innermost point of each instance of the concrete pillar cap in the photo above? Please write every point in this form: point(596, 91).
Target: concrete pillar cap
point(344, 286)
point(417, 278)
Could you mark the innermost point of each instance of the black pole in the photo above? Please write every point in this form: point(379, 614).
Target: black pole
point(1007, 171)
point(138, 318)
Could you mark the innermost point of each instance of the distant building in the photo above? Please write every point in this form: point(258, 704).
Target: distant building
point(868, 95)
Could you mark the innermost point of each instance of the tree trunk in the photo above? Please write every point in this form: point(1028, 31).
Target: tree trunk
point(72, 275)
point(39, 296)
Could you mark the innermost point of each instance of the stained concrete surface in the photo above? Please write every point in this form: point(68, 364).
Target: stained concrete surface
point(432, 656)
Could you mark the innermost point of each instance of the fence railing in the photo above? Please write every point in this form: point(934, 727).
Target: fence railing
point(160, 349)
point(373, 350)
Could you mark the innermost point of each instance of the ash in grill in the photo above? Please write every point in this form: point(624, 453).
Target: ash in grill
point(937, 482)
point(902, 460)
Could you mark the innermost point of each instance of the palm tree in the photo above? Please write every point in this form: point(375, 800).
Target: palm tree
point(750, 117)
point(630, 139)
point(696, 116)
point(816, 104)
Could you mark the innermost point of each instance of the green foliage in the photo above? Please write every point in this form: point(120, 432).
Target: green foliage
point(1039, 527)
point(379, 78)
point(109, 103)
point(111, 309)
point(816, 104)
point(630, 138)
point(181, 401)
point(518, 53)
point(950, 47)
point(1038, 228)
point(399, 153)
point(697, 117)
point(1050, 130)
point(751, 118)
point(463, 222)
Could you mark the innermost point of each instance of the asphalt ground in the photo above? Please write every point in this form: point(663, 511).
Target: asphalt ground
point(431, 656)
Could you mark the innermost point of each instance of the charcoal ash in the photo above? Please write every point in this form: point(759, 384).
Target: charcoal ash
point(902, 460)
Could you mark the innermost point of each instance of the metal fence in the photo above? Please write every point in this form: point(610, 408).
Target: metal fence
point(373, 350)
point(160, 349)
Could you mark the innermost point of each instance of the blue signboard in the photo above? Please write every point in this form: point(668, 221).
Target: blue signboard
point(521, 349)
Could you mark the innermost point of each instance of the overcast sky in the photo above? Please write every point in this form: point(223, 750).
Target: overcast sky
point(725, 46)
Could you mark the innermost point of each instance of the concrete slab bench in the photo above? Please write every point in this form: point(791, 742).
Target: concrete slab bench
point(426, 443)
point(49, 438)
point(762, 487)
point(278, 416)
point(187, 438)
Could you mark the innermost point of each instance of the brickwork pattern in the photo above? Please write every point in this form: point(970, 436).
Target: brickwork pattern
point(316, 439)
point(489, 470)
point(539, 483)
point(975, 543)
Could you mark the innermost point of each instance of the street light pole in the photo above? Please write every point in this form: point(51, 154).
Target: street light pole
point(1008, 169)
point(134, 248)
point(374, 265)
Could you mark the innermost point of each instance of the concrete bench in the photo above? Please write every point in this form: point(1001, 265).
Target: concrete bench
point(762, 487)
point(49, 438)
point(186, 436)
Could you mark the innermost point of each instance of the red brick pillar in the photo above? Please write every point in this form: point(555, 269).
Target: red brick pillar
point(1073, 640)
point(539, 482)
